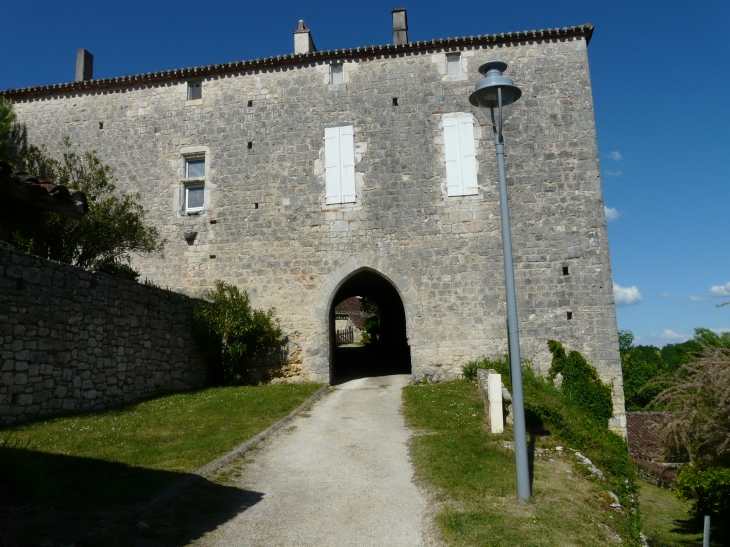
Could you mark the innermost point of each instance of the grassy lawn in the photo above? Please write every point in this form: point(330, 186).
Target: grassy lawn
point(79, 477)
point(666, 519)
point(475, 477)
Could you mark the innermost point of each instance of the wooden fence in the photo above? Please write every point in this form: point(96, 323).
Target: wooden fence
point(346, 336)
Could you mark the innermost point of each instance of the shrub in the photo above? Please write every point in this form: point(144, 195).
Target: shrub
point(581, 385)
point(235, 335)
point(708, 490)
point(470, 368)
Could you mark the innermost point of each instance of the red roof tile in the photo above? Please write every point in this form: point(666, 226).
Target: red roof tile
point(24, 188)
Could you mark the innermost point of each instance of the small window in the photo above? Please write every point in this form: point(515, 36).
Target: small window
point(195, 168)
point(195, 91)
point(453, 62)
point(194, 198)
point(336, 75)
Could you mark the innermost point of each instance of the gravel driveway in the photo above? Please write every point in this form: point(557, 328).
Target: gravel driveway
point(340, 475)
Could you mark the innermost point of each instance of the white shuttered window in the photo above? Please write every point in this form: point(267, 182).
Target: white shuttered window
point(461, 158)
point(339, 164)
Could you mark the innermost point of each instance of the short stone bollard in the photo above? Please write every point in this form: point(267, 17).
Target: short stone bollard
point(496, 397)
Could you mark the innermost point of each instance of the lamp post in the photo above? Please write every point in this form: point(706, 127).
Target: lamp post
point(494, 95)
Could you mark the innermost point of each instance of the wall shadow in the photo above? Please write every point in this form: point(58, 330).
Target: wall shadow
point(63, 500)
point(391, 354)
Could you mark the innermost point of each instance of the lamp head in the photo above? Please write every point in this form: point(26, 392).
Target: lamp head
point(485, 97)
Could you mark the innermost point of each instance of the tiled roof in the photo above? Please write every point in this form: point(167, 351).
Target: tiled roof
point(349, 305)
point(351, 308)
point(643, 434)
point(26, 189)
point(584, 31)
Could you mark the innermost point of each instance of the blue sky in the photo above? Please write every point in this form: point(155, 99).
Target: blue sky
point(660, 72)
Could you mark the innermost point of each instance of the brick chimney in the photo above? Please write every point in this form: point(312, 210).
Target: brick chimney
point(84, 65)
point(400, 26)
point(303, 42)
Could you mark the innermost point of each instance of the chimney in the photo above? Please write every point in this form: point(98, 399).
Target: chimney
point(400, 26)
point(84, 65)
point(303, 43)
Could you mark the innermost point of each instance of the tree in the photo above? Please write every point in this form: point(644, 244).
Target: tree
point(108, 234)
point(699, 396)
point(371, 325)
point(7, 117)
point(699, 399)
point(639, 365)
point(235, 335)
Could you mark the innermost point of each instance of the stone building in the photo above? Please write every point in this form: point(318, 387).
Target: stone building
point(315, 176)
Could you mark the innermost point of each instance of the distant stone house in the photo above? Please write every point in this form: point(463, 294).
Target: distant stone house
point(317, 176)
point(350, 316)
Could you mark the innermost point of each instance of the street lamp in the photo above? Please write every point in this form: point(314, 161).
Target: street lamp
point(495, 94)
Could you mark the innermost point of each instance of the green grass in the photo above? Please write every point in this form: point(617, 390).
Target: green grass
point(475, 478)
point(667, 522)
point(64, 473)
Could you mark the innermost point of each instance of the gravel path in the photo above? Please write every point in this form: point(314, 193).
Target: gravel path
point(338, 476)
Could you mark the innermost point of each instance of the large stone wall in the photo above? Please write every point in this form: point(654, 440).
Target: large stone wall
point(74, 340)
point(266, 227)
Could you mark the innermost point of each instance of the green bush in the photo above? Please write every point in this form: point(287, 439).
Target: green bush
point(581, 385)
point(707, 489)
point(470, 368)
point(235, 335)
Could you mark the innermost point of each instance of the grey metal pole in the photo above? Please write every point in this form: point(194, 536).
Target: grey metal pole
point(518, 400)
point(706, 535)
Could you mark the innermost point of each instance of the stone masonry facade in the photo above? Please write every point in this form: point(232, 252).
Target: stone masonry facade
point(266, 225)
point(74, 340)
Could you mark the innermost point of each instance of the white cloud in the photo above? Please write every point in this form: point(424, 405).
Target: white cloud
point(614, 173)
point(615, 156)
point(669, 334)
point(668, 295)
point(626, 296)
point(697, 298)
point(611, 213)
point(719, 290)
point(720, 331)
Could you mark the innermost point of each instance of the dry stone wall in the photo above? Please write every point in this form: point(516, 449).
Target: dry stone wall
point(266, 227)
point(74, 340)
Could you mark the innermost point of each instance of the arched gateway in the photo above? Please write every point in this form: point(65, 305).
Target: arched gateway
point(374, 278)
point(388, 352)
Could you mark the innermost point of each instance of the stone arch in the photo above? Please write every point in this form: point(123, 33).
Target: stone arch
point(337, 278)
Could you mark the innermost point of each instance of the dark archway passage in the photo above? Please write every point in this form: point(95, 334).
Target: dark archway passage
point(391, 354)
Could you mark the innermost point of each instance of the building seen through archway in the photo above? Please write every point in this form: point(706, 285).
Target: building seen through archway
point(387, 351)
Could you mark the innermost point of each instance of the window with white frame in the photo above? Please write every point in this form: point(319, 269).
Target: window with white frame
point(336, 73)
point(339, 164)
point(194, 183)
point(195, 91)
point(453, 64)
point(460, 155)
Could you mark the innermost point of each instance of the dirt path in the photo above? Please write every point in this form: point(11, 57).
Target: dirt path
point(338, 476)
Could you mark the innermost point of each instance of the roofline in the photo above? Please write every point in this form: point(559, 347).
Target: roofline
point(584, 31)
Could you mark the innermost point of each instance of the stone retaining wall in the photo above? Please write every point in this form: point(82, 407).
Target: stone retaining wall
point(73, 340)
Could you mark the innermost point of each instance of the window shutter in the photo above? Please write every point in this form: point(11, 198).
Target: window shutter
point(453, 157)
point(332, 164)
point(347, 159)
point(468, 156)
